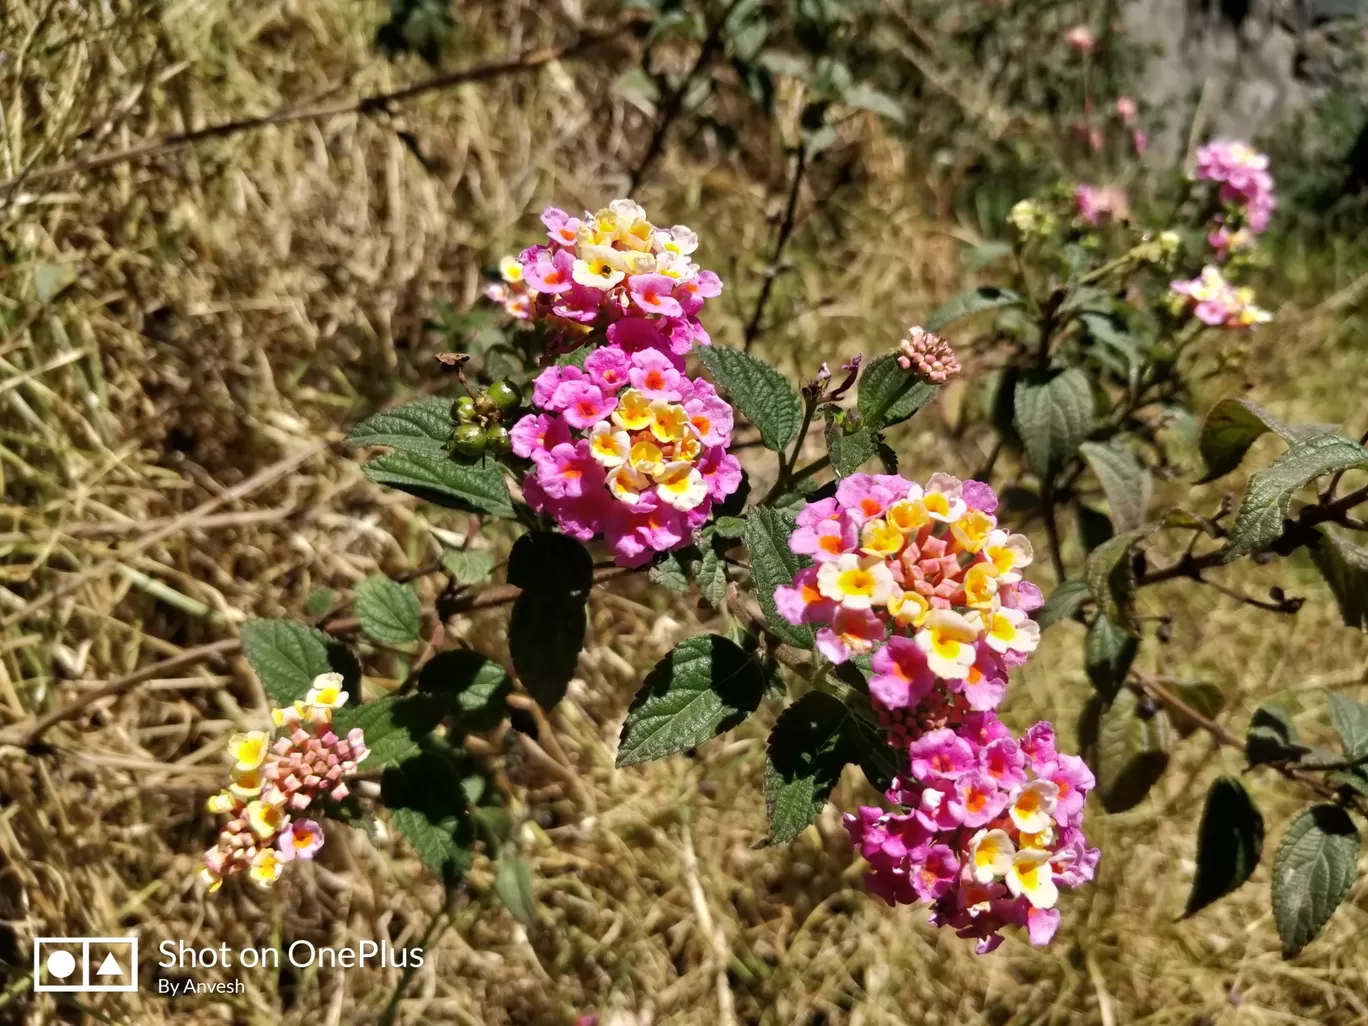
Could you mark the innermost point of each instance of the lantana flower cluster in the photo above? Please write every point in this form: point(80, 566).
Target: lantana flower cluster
point(924, 581)
point(275, 780)
point(1217, 302)
point(1246, 187)
point(511, 293)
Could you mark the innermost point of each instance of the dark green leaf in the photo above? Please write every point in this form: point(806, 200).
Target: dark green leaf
point(1312, 872)
point(1272, 737)
point(468, 566)
point(1200, 696)
point(848, 452)
point(513, 885)
point(1260, 520)
point(730, 527)
point(1127, 484)
point(773, 563)
point(1350, 720)
point(388, 611)
point(319, 601)
point(1053, 415)
point(436, 478)
point(1063, 603)
point(758, 390)
point(473, 687)
point(1109, 650)
point(712, 578)
point(969, 302)
point(703, 687)
point(1126, 747)
point(421, 27)
point(1229, 843)
point(880, 381)
point(546, 629)
point(808, 748)
point(545, 561)
point(421, 426)
point(1094, 527)
point(1111, 577)
point(287, 656)
point(394, 725)
point(1232, 426)
point(427, 805)
point(575, 357)
point(1344, 565)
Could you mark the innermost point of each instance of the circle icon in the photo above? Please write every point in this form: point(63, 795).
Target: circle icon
point(61, 964)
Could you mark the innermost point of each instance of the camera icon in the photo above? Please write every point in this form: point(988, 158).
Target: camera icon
point(85, 965)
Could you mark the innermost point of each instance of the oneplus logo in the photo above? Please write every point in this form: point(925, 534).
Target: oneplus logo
point(85, 965)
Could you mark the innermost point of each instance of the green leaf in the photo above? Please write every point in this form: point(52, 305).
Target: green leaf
point(712, 578)
point(872, 100)
point(773, 563)
point(427, 805)
point(1094, 527)
point(986, 254)
point(421, 426)
point(468, 566)
point(1344, 566)
point(1111, 577)
point(513, 885)
point(394, 725)
point(1350, 720)
point(546, 628)
point(433, 477)
point(1260, 521)
point(575, 357)
point(1229, 843)
point(473, 687)
point(703, 687)
point(287, 656)
point(1127, 748)
point(730, 527)
point(808, 748)
point(1312, 872)
point(1109, 650)
point(1201, 696)
point(1066, 600)
point(50, 279)
point(880, 380)
point(848, 452)
point(319, 601)
point(670, 573)
point(758, 390)
point(1272, 737)
point(637, 87)
point(1126, 483)
point(969, 302)
point(1054, 414)
point(1232, 426)
point(388, 611)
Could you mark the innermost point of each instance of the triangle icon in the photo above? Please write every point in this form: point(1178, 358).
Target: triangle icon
point(109, 967)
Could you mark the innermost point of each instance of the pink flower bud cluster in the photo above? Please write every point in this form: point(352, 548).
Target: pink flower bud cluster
point(511, 293)
point(1215, 301)
point(1246, 186)
point(598, 269)
point(1097, 205)
point(991, 832)
point(932, 357)
point(630, 448)
point(275, 781)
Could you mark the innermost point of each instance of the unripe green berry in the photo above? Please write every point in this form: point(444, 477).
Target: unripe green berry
point(469, 440)
point(497, 440)
point(463, 409)
point(504, 394)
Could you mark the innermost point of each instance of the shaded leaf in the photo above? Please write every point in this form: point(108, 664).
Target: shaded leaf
point(473, 687)
point(880, 380)
point(1260, 520)
point(1066, 600)
point(1053, 415)
point(807, 749)
point(477, 487)
point(1094, 527)
point(1201, 696)
point(428, 806)
point(547, 625)
point(1272, 737)
point(287, 656)
point(1312, 872)
point(1229, 843)
point(1344, 565)
point(670, 573)
point(1232, 426)
point(395, 725)
point(703, 687)
point(758, 390)
point(1127, 749)
point(1109, 649)
point(773, 563)
point(969, 302)
point(388, 611)
point(1111, 577)
point(1126, 483)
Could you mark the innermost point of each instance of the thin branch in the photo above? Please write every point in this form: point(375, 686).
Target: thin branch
point(785, 230)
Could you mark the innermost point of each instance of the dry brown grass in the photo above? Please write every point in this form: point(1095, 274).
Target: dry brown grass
point(235, 302)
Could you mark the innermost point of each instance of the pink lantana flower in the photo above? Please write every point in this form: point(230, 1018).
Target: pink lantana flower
point(654, 294)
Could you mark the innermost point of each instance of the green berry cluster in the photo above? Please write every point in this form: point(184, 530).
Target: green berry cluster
point(480, 428)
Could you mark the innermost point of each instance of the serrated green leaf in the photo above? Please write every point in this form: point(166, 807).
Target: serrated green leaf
point(773, 563)
point(478, 487)
point(546, 628)
point(703, 687)
point(1111, 577)
point(807, 749)
point(287, 656)
point(670, 573)
point(513, 885)
point(730, 527)
point(1200, 696)
point(468, 566)
point(1344, 565)
point(1260, 520)
point(1126, 483)
point(1229, 843)
point(473, 687)
point(319, 601)
point(848, 452)
point(427, 805)
point(1312, 872)
point(1350, 720)
point(759, 391)
point(388, 611)
point(1066, 600)
point(422, 426)
point(1126, 748)
point(1109, 649)
point(394, 725)
point(1053, 414)
point(969, 302)
point(1354, 780)
point(1272, 737)
point(880, 381)
point(1232, 426)
point(712, 578)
